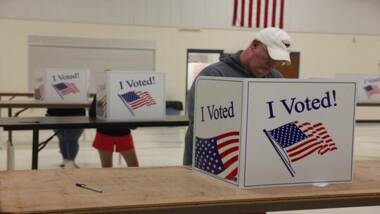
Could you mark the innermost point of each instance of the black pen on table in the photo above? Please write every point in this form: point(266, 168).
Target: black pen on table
point(88, 187)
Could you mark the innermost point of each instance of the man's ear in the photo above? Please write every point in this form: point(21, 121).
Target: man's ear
point(254, 44)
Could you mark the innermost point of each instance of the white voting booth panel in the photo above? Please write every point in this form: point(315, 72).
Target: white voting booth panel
point(368, 86)
point(63, 85)
point(258, 133)
point(130, 96)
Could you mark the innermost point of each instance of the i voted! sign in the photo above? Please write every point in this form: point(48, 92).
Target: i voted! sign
point(257, 133)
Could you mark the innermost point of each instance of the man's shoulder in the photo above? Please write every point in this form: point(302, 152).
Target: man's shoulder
point(213, 70)
point(219, 69)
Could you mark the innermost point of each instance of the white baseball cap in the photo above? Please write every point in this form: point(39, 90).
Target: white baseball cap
point(277, 42)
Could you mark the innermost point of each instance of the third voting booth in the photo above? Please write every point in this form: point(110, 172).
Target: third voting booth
point(274, 132)
point(62, 85)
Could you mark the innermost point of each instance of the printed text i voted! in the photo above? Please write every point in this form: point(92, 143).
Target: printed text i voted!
point(299, 105)
point(137, 83)
point(60, 77)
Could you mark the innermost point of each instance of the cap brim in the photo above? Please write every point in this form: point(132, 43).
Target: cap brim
point(279, 54)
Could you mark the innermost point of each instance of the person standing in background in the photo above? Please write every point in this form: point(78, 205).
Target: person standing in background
point(68, 138)
point(108, 140)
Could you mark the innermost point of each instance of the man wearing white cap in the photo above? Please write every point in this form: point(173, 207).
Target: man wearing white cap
point(269, 49)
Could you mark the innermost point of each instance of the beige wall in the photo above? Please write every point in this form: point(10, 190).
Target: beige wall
point(322, 55)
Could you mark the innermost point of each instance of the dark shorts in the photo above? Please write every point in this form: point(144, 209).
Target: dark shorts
point(113, 143)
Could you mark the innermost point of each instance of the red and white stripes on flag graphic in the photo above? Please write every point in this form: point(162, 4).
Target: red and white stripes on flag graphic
point(258, 13)
point(318, 140)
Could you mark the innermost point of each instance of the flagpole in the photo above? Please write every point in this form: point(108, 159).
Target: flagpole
point(126, 104)
point(290, 169)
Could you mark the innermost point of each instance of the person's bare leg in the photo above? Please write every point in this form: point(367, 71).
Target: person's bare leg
point(130, 157)
point(105, 158)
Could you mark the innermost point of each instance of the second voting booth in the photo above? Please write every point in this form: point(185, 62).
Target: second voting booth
point(130, 96)
point(274, 132)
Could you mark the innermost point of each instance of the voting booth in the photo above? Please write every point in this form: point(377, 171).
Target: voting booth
point(62, 85)
point(368, 86)
point(274, 132)
point(130, 96)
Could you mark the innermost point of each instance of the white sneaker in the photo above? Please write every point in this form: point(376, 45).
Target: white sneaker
point(70, 165)
point(62, 165)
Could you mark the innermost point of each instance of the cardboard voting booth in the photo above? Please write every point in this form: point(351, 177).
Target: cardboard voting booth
point(130, 96)
point(368, 86)
point(274, 132)
point(62, 85)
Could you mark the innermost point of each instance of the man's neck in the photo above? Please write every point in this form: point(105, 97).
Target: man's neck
point(244, 60)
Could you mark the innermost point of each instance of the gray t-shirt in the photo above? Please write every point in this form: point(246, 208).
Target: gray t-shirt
point(230, 66)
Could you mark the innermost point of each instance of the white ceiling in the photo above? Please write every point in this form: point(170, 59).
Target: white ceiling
point(317, 16)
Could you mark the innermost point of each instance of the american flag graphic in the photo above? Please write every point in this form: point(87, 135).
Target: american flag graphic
point(295, 141)
point(134, 100)
point(218, 155)
point(258, 13)
point(101, 106)
point(65, 88)
point(371, 90)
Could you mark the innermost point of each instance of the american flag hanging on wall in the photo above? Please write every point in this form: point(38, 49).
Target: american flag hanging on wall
point(258, 13)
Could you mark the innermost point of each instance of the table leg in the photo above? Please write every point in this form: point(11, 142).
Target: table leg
point(10, 156)
point(0, 116)
point(0, 130)
point(10, 132)
point(35, 149)
point(10, 148)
